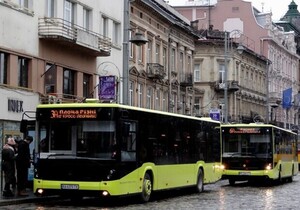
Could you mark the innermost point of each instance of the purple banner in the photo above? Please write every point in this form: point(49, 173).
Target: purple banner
point(107, 90)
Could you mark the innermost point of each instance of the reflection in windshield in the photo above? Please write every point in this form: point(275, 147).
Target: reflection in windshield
point(92, 139)
point(257, 145)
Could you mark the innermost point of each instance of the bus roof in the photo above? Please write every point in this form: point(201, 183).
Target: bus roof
point(251, 125)
point(115, 105)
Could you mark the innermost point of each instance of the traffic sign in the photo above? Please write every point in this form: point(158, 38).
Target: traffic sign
point(214, 114)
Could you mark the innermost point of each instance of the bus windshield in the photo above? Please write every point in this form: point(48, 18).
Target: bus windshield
point(247, 142)
point(79, 138)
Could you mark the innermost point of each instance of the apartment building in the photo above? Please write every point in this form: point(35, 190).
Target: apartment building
point(161, 71)
point(245, 77)
point(264, 38)
point(52, 51)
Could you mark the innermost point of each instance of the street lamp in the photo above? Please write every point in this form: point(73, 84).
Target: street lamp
point(240, 50)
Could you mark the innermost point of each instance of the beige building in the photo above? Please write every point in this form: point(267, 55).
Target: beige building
point(264, 38)
point(161, 71)
point(49, 52)
point(245, 80)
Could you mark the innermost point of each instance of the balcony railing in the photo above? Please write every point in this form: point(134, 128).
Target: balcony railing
point(231, 86)
point(62, 30)
point(155, 71)
point(275, 98)
point(186, 80)
point(57, 98)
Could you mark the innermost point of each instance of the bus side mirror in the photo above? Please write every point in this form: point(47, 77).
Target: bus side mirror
point(23, 126)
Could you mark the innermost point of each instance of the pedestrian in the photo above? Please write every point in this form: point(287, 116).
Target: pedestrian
point(8, 166)
point(23, 162)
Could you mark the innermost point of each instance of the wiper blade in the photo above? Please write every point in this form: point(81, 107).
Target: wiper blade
point(236, 154)
point(56, 155)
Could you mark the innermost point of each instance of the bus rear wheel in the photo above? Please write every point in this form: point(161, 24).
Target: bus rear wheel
point(200, 185)
point(146, 188)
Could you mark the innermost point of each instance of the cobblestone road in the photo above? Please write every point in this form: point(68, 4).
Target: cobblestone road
point(219, 196)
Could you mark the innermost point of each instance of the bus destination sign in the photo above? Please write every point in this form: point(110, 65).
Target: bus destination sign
point(244, 130)
point(73, 114)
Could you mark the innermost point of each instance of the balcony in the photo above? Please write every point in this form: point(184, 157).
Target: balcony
point(186, 80)
point(275, 99)
point(68, 33)
point(232, 86)
point(155, 71)
point(58, 98)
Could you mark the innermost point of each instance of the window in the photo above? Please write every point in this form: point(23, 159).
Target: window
point(149, 98)
point(86, 85)
point(197, 73)
point(131, 93)
point(141, 54)
point(181, 66)
point(149, 53)
point(105, 26)
point(157, 53)
point(221, 73)
point(24, 3)
point(3, 68)
point(164, 57)
point(68, 13)
point(50, 78)
point(116, 33)
point(68, 83)
point(164, 101)
point(173, 99)
point(140, 95)
point(50, 8)
point(189, 63)
point(128, 148)
point(173, 60)
point(130, 46)
point(86, 18)
point(23, 72)
point(197, 106)
point(157, 100)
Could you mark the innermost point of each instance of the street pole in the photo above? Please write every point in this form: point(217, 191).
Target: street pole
point(267, 94)
point(225, 79)
point(126, 52)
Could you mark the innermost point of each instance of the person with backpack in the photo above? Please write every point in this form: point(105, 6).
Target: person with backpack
point(8, 166)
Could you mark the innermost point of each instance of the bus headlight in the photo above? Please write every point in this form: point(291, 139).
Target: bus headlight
point(269, 166)
point(40, 191)
point(105, 193)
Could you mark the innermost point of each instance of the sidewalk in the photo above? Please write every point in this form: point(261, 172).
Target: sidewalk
point(31, 198)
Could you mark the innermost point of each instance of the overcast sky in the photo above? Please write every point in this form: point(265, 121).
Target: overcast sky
point(278, 7)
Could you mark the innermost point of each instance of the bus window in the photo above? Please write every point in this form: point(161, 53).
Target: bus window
point(128, 149)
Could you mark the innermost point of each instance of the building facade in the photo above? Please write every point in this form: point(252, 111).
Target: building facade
point(161, 71)
point(51, 52)
point(261, 36)
point(245, 77)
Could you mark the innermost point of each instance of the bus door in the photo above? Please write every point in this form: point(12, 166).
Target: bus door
point(128, 140)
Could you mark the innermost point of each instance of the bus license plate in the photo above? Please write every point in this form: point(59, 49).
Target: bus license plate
point(245, 173)
point(69, 186)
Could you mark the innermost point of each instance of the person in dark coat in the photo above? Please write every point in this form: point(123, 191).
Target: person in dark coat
point(8, 166)
point(23, 162)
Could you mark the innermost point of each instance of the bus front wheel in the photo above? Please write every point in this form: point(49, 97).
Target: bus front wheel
point(146, 188)
point(200, 185)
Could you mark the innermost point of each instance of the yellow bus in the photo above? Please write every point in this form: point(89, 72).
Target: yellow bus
point(103, 149)
point(258, 151)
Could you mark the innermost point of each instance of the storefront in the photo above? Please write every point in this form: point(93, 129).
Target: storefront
point(13, 103)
